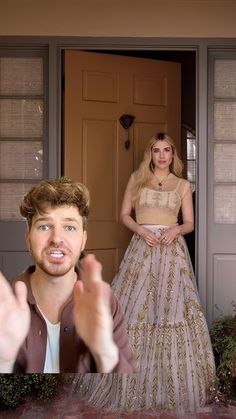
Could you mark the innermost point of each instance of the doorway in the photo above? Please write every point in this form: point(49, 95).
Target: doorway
point(187, 60)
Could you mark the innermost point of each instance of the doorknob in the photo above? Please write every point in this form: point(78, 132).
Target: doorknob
point(126, 121)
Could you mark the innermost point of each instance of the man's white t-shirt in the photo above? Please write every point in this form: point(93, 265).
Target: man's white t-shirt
point(52, 349)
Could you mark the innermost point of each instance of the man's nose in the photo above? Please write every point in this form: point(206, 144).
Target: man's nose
point(56, 236)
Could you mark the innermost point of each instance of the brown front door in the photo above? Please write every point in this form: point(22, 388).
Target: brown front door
point(99, 88)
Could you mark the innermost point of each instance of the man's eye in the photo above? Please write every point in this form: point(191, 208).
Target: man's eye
point(70, 228)
point(44, 227)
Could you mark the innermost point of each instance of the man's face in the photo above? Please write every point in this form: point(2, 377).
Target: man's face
point(56, 239)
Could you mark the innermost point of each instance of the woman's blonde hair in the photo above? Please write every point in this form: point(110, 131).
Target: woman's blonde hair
point(144, 174)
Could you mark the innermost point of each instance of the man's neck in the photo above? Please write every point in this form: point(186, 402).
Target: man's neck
point(52, 293)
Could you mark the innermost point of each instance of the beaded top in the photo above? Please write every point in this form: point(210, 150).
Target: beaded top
point(154, 206)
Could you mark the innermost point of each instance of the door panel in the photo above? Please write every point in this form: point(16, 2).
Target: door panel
point(221, 231)
point(100, 135)
point(99, 88)
point(224, 268)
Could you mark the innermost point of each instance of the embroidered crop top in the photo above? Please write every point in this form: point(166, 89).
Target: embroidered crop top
point(155, 206)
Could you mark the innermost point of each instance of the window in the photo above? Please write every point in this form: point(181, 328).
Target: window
point(23, 142)
point(224, 141)
point(190, 141)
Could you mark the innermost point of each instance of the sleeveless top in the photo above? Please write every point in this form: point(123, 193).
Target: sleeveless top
point(162, 207)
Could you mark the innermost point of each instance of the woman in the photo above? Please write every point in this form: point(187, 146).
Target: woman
point(156, 288)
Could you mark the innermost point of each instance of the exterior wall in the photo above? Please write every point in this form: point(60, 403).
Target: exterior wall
point(195, 25)
point(129, 18)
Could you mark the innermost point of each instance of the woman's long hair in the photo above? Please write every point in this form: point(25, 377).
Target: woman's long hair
point(144, 175)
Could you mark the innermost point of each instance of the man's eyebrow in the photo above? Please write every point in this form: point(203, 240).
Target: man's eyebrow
point(40, 219)
point(71, 219)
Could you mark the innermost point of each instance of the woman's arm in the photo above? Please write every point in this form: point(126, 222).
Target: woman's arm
point(127, 207)
point(188, 220)
point(129, 222)
point(187, 214)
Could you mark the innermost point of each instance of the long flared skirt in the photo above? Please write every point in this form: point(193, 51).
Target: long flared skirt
point(168, 334)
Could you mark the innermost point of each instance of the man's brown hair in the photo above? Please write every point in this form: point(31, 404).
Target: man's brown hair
point(54, 193)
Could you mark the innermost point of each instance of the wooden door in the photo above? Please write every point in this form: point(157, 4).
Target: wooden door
point(99, 88)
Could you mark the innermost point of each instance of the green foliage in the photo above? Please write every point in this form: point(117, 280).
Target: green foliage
point(15, 388)
point(223, 338)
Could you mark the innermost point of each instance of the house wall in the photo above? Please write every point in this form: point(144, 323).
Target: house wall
point(135, 18)
point(208, 24)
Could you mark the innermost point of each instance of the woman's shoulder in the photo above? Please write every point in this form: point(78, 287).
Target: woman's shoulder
point(185, 182)
point(180, 179)
point(134, 177)
point(183, 185)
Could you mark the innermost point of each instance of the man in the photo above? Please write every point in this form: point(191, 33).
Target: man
point(60, 318)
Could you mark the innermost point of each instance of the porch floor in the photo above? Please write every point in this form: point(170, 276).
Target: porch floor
point(67, 406)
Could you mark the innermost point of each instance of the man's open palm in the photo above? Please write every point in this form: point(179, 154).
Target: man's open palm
point(14, 319)
point(92, 312)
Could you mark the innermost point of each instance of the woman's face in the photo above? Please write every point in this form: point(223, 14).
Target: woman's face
point(161, 154)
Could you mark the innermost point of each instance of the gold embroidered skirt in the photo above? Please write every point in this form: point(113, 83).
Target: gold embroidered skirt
point(156, 289)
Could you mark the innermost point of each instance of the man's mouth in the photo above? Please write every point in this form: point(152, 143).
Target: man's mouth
point(57, 254)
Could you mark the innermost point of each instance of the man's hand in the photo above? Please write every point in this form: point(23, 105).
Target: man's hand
point(14, 322)
point(92, 315)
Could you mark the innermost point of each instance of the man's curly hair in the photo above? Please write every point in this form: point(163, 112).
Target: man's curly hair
point(54, 193)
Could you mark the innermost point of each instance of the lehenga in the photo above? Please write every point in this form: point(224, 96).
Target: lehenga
point(167, 329)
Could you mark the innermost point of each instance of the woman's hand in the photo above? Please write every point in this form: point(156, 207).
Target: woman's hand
point(169, 235)
point(148, 236)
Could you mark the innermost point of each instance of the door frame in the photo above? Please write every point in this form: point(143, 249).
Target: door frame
point(151, 45)
point(56, 45)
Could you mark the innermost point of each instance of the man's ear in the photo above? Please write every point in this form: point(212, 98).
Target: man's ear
point(84, 240)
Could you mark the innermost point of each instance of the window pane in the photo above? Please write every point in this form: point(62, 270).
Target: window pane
point(191, 149)
point(11, 195)
point(21, 159)
point(225, 121)
point(225, 204)
point(191, 169)
point(21, 118)
point(224, 80)
point(21, 76)
point(225, 162)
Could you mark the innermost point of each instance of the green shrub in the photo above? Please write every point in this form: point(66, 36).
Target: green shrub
point(223, 338)
point(15, 388)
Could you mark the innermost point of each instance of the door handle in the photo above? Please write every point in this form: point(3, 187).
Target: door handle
point(127, 144)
